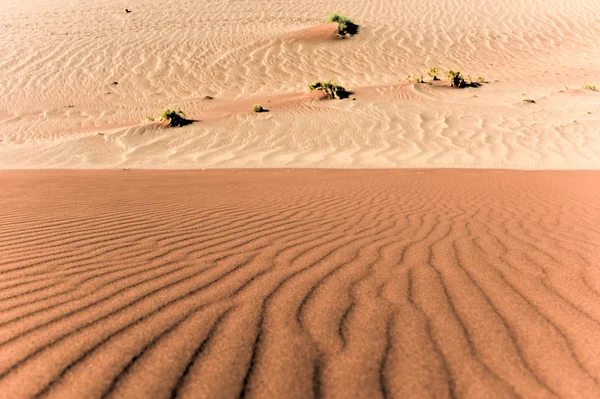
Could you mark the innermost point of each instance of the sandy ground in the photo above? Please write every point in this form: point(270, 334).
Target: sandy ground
point(60, 108)
point(299, 284)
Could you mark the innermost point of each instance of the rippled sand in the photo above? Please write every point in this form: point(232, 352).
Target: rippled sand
point(299, 284)
point(59, 107)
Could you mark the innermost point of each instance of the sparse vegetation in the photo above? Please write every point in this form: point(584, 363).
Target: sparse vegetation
point(456, 79)
point(345, 25)
point(529, 100)
point(331, 89)
point(433, 73)
point(258, 108)
point(172, 117)
point(590, 86)
point(475, 81)
point(414, 78)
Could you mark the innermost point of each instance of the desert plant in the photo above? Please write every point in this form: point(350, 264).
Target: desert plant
point(173, 117)
point(433, 73)
point(258, 108)
point(456, 79)
point(474, 82)
point(590, 86)
point(331, 89)
point(345, 25)
point(414, 78)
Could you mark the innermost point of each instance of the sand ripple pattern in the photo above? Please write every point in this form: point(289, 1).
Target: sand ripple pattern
point(299, 284)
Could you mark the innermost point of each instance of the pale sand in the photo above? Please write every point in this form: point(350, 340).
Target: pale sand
point(57, 54)
point(299, 284)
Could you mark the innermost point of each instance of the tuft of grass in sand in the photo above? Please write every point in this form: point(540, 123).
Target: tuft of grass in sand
point(590, 86)
point(433, 73)
point(457, 80)
point(173, 117)
point(414, 78)
point(345, 25)
point(258, 108)
point(331, 89)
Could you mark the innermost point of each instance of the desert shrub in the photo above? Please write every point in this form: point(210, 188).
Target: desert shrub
point(456, 79)
point(414, 78)
point(474, 82)
point(345, 25)
point(433, 73)
point(258, 108)
point(590, 86)
point(331, 89)
point(173, 117)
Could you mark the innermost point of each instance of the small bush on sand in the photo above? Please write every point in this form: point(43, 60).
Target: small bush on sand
point(414, 78)
point(331, 89)
point(345, 25)
point(456, 79)
point(433, 73)
point(590, 86)
point(475, 82)
point(258, 108)
point(173, 117)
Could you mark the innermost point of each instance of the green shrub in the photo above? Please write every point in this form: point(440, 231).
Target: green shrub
point(433, 73)
point(474, 82)
point(258, 108)
point(456, 79)
point(331, 89)
point(414, 78)
point(345, 25)
point(173, 117)
point(590, 86)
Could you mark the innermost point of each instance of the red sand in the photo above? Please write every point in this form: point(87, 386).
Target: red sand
point(296, 284)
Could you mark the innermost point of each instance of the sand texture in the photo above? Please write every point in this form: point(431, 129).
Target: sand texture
point(300, 284)
point(60, 108)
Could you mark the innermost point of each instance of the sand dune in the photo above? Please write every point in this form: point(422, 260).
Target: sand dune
point(61, 59)
point(299, 284)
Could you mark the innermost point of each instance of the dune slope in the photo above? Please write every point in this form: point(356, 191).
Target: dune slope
point(77, 79)
point(299, 284)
